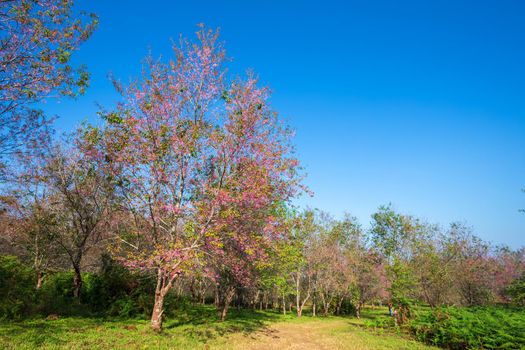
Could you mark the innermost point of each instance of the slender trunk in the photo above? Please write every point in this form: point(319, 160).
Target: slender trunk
point(38, 267)
point(204, 288)
point(224, 312)
point(225, 299)
point(314, 306)
point(298, 296)
point(77, 279)
point(164, 284)
point(254, 301)
point(39, 279)
point(284, 305)
point(77, 282)
point(238, 301)
point(326, 304)
point(339, 306)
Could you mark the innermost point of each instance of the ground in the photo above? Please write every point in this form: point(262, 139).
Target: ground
point(334, 333)
point(199, 330)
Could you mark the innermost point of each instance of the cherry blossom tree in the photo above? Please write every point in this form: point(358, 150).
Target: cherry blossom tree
point(199, 164)
point(37, 40)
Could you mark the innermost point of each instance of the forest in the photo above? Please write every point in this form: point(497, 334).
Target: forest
point(176, 212)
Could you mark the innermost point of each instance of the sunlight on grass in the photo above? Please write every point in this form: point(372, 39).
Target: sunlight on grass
point(198, 329)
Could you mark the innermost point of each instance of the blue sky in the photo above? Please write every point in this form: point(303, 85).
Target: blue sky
point(418, 103)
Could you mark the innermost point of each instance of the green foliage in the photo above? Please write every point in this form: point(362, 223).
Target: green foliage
point(517, 291)
point(472, 328)
point(403, 283)
point(17, 283)
point(388, 232)
point(56, 295)
point(347, 308)
point(383, 322)
point(112, 285)
point(112, 292)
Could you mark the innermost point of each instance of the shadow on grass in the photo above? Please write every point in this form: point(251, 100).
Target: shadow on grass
point(202, 323)
point(196, 323)
point(35, 333)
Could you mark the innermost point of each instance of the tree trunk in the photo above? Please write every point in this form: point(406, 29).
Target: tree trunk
point(254, 302)
point(298, 297)
point(76, 261)
point(314, 306)
point(284, 305)
point(158, 310)
point(339, 306)
point(326, 304)
point(164, 284)
point(39, 279)
point(77, 282)
point(225, 299)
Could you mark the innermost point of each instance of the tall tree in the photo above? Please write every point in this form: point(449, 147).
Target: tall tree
point(32, 222)
point(199, 163)
point(395, 237)
point(37, 40)
point(31, 229)
point(81, 199)
point(302, 275)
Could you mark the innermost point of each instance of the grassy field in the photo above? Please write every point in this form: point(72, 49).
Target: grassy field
point(198, 329)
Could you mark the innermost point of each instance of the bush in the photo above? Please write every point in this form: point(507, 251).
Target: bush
point(516, 291)
point(104, 288)
point(17, 288)
point(472, 328)
point(56, 296)
point(347, 308)
point(113, 291)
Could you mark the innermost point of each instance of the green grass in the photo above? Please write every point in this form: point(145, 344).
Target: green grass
point(191, 329)
point(198, 328)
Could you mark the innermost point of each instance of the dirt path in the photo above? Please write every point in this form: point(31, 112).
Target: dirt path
point(322, 335)
point(290, 336)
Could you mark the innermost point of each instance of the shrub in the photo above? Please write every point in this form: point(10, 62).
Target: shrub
point(113, 291)
point(17, 288)
point(472, 328)
point(102, 289)
point(516, 291)
point(56, 296)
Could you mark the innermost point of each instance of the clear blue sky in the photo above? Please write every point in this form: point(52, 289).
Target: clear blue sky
point(418, 103)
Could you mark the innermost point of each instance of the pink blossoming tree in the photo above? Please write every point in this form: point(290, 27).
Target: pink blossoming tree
point(37, 40)
point(199, 163)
